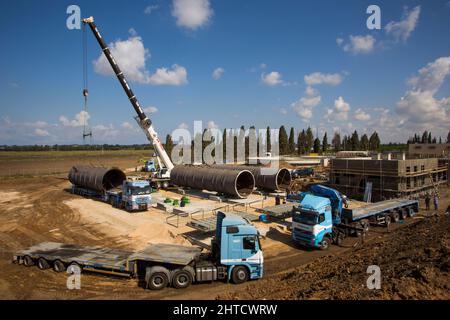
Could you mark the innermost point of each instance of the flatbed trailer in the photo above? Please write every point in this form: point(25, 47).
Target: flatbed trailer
point(384, 211)
point(281, 211)
point(235, 256)
point(104, 260)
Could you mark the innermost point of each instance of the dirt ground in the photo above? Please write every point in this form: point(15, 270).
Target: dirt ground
point(39, 209)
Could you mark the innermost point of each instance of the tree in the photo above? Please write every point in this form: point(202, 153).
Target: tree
point(268, 142)
point(301, 148)
point(364, 143)
point(169, 145)
point(424, 137)
point(325, 143)
point(336, 142)
point(309, 140)
point(440, 140)
point(448, 137)
point(291, 146)
point(429, 138)
point(316, 146)
point(224, 145)
point(354, 141)
point(283, 141)
point(374, 142)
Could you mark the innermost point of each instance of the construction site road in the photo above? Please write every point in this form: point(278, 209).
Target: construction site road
point(33, 210)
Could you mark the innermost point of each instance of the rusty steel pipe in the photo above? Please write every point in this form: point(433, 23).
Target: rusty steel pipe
point(269, 179)
point(96, 178)
point(236, 183)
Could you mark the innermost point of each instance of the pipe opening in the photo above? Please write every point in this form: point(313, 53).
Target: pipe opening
point(283, 179)
point(245, 183)
point(113, 178)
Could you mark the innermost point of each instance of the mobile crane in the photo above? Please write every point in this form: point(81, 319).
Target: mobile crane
point(162, 176)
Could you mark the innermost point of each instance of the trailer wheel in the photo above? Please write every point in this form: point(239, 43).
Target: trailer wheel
point(43, 264)
point(157, 278)
point(387, 221)
point(325, 244)
point(28, 261)
point(165, 184)
point(59, 266)
point(395, 216)
point(410, 212)
point(181, 278)
point(239, 274)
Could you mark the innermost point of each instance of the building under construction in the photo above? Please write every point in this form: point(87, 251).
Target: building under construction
point(387, 178)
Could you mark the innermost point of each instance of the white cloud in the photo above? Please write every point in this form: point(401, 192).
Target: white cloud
point(361, 115)
point(305, 105)
point(212, 125)
point(283, 111)
point(272, 79)
point(419, 104)
point(80, 119)
point(127, 125)
point(340, 110)
point(151, 109)
point(217, 73)
point(150, 9)
point(131, 56)
point(192, 14)
point(176, 76)
point(323, 78)
point(357, 44)
point(183, 125)
point(401, 30)
point(41, 132)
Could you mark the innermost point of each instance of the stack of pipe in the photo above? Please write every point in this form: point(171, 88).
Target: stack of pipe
point(265, 178)
point(237, 183)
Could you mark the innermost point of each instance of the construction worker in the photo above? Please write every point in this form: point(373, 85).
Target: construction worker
point(427, 201)
point(436, 201)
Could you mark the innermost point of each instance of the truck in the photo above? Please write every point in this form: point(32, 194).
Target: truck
point(235, 255)
point(323, 217)
point(110, 185)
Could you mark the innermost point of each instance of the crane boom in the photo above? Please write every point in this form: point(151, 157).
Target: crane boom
point(144, 122)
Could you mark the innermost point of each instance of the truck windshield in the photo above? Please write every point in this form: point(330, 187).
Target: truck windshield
point(140, 191)
point(305, 217)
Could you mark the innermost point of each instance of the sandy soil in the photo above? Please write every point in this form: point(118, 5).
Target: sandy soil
point(34, 210)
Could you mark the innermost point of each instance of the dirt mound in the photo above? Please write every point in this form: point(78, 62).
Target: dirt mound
point(414, 263)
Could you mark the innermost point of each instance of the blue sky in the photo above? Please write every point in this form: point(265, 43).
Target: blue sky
point(297, 63)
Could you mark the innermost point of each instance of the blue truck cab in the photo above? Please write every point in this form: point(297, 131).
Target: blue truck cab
point(312, 221)
point(135, 195)
point(237, 248)
point(322, 217)
point(149, 166)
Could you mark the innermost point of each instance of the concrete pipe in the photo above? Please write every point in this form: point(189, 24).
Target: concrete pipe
point(237, 183)
point(96, 178)
point(272, 179)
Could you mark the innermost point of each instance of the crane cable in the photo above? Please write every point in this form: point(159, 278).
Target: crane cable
point(85, 82)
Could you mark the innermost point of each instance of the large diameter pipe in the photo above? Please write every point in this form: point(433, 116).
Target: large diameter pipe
point(96, 178)
point(265, 178)
point(236, 183)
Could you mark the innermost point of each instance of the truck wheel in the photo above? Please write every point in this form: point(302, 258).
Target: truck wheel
point(387, 221)
point(325, 244)
point(157, 278)
point(59, 266)
point(28, 261)
point(395, 216)
point(181, 278)
point(43, 264)
point(239, 275)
